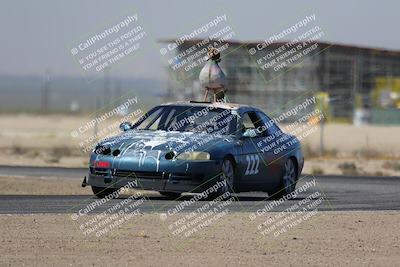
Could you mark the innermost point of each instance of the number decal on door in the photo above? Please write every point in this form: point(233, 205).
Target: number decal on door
point(253, 161)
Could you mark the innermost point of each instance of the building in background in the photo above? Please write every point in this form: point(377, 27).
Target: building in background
point(362, 84)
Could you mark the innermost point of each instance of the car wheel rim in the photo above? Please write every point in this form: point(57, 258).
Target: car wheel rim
point(227, 175)
point(289, 176)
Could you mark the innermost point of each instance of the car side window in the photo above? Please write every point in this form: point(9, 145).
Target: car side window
point(270, 126)
point(250, 120)
point(247, 122)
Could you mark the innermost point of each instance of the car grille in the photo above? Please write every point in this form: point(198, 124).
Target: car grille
point(98, 171)
point(138, 174)
point(181, 176)
point(145, 175)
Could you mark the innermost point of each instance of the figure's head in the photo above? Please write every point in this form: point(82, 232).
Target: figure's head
point(213, 54)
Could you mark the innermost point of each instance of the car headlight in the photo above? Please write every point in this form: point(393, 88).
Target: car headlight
point(194, 155)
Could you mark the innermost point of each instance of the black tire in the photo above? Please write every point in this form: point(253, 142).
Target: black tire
point(227, 176)
point(287, 183)
point(172, 195)
point(102, 192)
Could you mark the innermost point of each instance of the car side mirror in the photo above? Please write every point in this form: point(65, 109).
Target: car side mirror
point(250, 133)
point(125, 126)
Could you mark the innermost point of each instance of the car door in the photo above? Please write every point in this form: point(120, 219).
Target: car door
point(252, 168)
point(270, 147)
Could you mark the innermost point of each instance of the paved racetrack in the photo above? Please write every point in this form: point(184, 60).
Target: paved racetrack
point(339, 193)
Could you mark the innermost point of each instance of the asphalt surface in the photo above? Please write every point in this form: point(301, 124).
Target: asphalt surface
point(330, 193)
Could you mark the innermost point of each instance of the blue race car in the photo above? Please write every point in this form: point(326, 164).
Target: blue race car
point(190, 146)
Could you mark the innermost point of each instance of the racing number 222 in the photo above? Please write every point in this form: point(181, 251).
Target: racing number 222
point(253, 161)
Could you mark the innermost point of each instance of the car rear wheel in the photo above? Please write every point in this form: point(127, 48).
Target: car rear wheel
point(173, 195)
point(102, 192)
point(288, 180)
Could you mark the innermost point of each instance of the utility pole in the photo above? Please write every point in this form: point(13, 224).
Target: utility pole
point(354, 86)
point(46, 92)
point(96, 115)
point(321, 137)
point(106, 97)
point(117, 92)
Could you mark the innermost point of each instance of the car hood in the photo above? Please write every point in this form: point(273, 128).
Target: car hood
point(139, 140)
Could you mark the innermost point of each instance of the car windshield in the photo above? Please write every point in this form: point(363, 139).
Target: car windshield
point(189, 119)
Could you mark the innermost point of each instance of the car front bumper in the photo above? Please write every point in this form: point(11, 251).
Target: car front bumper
point(172, 176)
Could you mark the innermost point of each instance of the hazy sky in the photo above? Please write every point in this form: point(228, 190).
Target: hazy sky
point(38, 35)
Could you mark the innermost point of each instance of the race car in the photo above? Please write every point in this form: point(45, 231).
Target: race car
point(190, 146)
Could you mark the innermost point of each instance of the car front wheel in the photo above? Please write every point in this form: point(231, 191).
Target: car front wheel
point(288, 180)
point(228, 174)
point(225, 179)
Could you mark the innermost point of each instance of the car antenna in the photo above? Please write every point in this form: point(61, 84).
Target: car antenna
point(212, 78)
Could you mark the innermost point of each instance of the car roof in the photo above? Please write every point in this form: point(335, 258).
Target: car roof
point(232, 106)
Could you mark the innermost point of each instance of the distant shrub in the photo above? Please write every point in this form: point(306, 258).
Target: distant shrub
point(314, 153)
point(317, 171)
point(308, 151)
point(380, 173)
point(348, 168)
point(394, 165)
point(52, 160)
point(17, 150)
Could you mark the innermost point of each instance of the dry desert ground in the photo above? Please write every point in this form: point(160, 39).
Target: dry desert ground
point(325, 238)
point(328, 239)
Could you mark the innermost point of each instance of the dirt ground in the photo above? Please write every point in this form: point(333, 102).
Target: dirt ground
point(46, 186)
point(352, 166)
point(356, 239)
point(327, 238)
point(42, 186)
